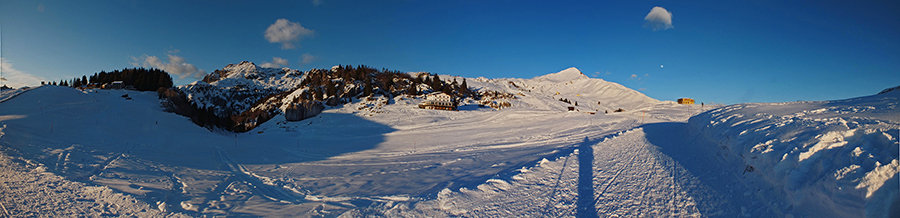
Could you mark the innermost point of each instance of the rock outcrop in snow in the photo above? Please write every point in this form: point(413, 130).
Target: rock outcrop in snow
point(300, 111)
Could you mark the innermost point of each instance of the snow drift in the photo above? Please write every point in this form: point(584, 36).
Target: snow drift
point(827, 158)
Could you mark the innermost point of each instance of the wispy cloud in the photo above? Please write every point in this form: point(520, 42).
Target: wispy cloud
point(276, 63)
point(598, 74)
point(659, 19)
point(307, 58)
point(16, 78)
point(316, 2)
point(636, 77)
point(176, 65)
point(287, 33)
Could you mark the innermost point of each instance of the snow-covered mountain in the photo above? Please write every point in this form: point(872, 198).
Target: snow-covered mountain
point(67, 152)
point(237, 87)
point(246, 87)
point(571, 84)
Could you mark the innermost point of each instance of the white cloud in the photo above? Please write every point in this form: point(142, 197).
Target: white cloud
point(15, 78)
point(316, 2)
point(634, 76)
point(176, 65)
point(659, 19)
point(287, 33)
point(307, 58)
point(276, 63)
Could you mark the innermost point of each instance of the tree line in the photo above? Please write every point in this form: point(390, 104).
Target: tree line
point(345, 82)
point(141, 79)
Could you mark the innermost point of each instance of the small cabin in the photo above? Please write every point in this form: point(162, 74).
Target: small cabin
point(116, 85)
point(571, 108)
point(685, 101)
point(439, 101)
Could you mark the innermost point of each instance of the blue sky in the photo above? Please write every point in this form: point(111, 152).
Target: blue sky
point(715, 51)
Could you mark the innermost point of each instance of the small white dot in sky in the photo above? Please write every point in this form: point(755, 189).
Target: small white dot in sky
point(660, 66)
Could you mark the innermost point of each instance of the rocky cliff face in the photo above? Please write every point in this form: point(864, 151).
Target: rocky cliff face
point(300, 111)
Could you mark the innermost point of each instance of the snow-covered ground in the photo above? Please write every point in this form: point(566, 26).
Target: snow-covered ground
point(823, 159)
point(6, 94)
point(366, 158)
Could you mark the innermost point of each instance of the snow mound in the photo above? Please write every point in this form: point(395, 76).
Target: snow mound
point(828, 158)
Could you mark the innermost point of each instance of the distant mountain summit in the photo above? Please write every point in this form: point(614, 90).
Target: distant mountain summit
point(566, 75)
point(567, 88)
point(237, 87)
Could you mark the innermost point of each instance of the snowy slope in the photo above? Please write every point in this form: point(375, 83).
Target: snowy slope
point(6, 94)
point(543, 92)
point(827, 158)
point(352, 156)
point(386, 157)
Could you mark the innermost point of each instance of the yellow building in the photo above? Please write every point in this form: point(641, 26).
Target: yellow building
point(685, 101)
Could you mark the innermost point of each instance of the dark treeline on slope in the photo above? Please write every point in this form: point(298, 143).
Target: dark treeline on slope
point(346, 82)
point(177, 102)
point(320, 86)
point(141, 78)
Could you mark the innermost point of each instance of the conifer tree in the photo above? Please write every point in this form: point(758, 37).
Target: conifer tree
point(436, 83)
point(412, 90)
point(367, 87)
point(464, 88)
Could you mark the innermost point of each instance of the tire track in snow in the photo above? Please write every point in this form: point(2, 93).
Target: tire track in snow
point(644, 182)
point(616, 176)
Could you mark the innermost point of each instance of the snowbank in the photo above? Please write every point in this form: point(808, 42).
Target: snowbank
point(828, 158)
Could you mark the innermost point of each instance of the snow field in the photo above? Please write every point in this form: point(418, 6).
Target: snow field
point(28, 190)
point(367, 158)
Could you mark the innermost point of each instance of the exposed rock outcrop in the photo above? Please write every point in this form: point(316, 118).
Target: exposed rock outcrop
point(303, 110)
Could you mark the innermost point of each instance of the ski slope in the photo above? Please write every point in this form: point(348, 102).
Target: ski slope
point(367, 158)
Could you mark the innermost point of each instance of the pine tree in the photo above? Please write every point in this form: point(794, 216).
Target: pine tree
point(464, 88)
point(412, 90)
point(436, 83)
point(367, 87)
point(329, 88)
point(318, 95)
